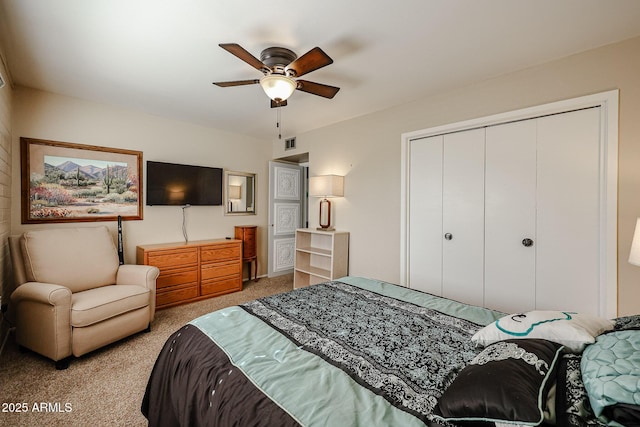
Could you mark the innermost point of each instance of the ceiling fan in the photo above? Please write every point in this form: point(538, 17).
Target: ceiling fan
point(281, 68)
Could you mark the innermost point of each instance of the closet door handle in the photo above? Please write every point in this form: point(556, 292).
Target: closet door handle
point(527, 242)
point(448, 236)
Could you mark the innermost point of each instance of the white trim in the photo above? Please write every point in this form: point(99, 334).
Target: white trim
point(608, 101)
point(609, 205)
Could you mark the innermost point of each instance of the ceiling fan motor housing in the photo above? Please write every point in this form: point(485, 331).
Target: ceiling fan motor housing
point(277, 58)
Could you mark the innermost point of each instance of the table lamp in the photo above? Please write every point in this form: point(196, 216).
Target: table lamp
point(326, 186)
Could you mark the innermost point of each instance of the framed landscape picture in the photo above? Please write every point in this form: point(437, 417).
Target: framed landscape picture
point(65, 182)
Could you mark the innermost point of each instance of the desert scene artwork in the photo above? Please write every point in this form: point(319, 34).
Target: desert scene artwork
point(67, 183)
point(81, 187)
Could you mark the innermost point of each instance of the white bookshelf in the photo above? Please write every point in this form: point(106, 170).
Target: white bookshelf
point(320, 256)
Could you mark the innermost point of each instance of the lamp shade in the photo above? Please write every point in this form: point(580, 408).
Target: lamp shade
point(278, 87)
point(234, 191)
point(326, 186)
point(634, 255)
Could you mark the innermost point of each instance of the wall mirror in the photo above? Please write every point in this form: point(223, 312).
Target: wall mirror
point(239, 193)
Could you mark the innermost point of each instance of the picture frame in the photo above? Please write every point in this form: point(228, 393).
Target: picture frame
point(67, 182)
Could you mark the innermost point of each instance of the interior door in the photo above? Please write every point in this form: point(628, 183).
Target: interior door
point(510, 217)
point(463, 216)
point(285, 213)
point(568, 223)
point(425, 215)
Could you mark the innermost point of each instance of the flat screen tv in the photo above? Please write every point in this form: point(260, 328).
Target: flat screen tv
point(179, 185)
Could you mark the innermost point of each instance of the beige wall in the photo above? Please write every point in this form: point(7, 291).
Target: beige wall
point(47, 116)
point(5, 182)
point(367, 151)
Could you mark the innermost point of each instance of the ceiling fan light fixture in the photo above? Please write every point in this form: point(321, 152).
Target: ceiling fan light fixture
point(278, 87)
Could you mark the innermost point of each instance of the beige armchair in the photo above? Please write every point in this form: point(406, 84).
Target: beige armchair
point(72, 294)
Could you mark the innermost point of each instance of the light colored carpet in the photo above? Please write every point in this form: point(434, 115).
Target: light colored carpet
point(105, 387)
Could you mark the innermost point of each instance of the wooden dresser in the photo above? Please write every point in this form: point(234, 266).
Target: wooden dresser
point(247, 233)
point(195, 270)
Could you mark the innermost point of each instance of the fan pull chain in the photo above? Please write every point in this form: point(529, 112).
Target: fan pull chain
point(278, 123)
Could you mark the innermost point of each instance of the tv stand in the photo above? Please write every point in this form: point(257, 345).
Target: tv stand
point(193, 271)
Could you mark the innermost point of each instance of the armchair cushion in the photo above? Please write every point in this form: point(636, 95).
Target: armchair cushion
point(77, 258)
point(98, 304)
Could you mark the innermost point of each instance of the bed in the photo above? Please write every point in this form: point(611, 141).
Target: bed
point(362, 352)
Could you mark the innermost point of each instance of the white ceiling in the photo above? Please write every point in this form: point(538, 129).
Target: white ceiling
point(161, 56)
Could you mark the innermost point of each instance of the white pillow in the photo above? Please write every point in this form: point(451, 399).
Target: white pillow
point(573, 330)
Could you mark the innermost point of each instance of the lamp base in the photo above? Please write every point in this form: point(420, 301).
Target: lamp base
point(325, 229)
point(325, 215)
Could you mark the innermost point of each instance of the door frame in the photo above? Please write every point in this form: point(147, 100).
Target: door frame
point(608, 103)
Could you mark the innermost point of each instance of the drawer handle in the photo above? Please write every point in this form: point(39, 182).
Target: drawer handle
point(448, 236)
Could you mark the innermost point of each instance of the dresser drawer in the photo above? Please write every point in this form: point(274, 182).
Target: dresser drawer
point(213, 287)
point(177, 277)
point(220, 269)
point(174, 258)
point(176, 295)
point(220, 252)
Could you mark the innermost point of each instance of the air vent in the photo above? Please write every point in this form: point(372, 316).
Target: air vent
point(290, 143)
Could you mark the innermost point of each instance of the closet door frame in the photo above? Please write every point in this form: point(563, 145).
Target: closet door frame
point(608, 103)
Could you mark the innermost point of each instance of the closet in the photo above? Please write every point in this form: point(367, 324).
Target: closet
point(508, 216)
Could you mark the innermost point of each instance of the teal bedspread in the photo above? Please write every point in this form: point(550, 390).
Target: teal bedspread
point(611, 372)
point(350, 352)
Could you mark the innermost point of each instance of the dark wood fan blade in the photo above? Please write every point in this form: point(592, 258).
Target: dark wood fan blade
point(240, 52)
point(237, 83)
point(310, 61)
point(275, 104)
point(318, 88)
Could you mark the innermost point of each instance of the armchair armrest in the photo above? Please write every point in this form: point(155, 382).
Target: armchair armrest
point(43, 318)
point(141, 275)
point(45, 293)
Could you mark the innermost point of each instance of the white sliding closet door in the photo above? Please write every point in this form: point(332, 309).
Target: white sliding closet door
point(568, 243)
point(510, 216)
point(516, 211)
point(425, 212)
point(463, 216)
